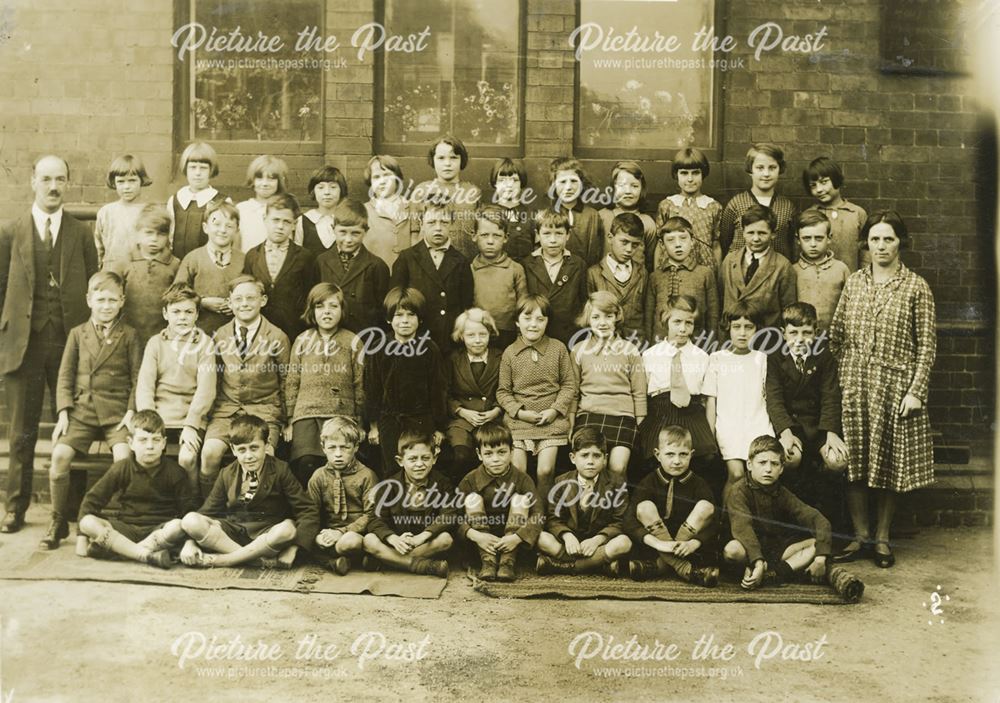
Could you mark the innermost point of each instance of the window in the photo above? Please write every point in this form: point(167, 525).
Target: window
point(645, 101)
point(467, 80)
point(261, 94)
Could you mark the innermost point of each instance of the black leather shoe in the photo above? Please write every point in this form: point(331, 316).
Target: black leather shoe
point(58, 531)
point(884, 561)
point(848, 555)
point(12, 522)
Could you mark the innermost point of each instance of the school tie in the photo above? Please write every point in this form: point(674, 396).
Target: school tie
point(751, 269)
point(47, 235)
point(800, 363)
point(586, 504)
point(252, 484)
point(669, 507)
point(680, 394)
point(243, 341)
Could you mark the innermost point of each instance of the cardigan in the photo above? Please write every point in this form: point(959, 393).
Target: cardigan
point(464, 391)
point(537, 377)
point(771, 290)
point(685, 278)
point(177, 379)
point(199, 271)
point(497, 493)
point(96, 382)
point(365, 284)
point(565, 512)
point(689, 489)
point(631, 295)
point(279, 497)
point(358, 487)
point(389, 228)
point(253, 385)
point(324, 379)
point(612, 378)
point(147, 497)
point(406, 382)
point(145, 282)
point(497, 286)
point(820, 284)
point(759, 517)
point(286, 296)
point(114, 231)
point(393, 511)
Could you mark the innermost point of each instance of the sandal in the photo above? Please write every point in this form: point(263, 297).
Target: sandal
point(847, 555)
point(883, 561)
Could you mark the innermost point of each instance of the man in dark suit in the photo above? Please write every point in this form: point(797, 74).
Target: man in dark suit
point(287, 270)
point(436, 268)
point(46, 258)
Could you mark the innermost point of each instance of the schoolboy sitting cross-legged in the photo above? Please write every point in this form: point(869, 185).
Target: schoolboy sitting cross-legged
point(672, 516)
point(502, 511)
point(342, 489)
point(153, 492)
point(413, 512)
point(770, 526)
point(257, 508)
point(584, 525)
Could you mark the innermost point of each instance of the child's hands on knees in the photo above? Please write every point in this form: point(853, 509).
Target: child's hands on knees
point(508, 543)
point(486, 541)
point(398, 543)
point(191, 553)
point(416, 540)
point(589, 546)
point(817, 569)
point(328, 538)
point(572, 544)
point(191, 439)
point(529, 416)
point(687, 547)
point(126, 423)
point(62, 425)
point(753, 575)
point(790, 443)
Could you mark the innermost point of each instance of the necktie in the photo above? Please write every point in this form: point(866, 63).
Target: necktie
point(669, 507)
point(338, 496)
point(252, 484)
point(586, 504)
point(680, 395)
point(751, 269)
point(243, 341)
point(800, 363)
point(47, 234)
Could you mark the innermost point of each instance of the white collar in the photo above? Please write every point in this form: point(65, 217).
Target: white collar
point(615, 265)
point(538, 252)
point(315, 216)
point(39, 216)
point(702, 201)
point(483, 359)
point(251, 329)
point(254, 204)
point(202, 197)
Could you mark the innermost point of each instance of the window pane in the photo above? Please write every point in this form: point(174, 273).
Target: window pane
point(465, 82)
point(260, 94)
point(645, 99)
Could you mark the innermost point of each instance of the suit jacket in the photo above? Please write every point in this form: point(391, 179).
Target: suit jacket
point(286, 296)
point(809, 402)
point(364, 284)
point(449, 290)
point(97, 377)
point(567, 295)
point(254, 385)
point(392, 515)
point(466, 392)
point(77, 263)
point(279, 496)
point(565, 513)
point(772, 288)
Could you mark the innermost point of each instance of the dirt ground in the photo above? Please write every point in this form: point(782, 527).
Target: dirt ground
point(77, 641)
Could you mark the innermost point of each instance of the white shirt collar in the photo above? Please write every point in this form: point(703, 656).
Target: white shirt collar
point(40, 216)
point(251, 329)
point(702, 201)
point(751, 255)
point(483, 359)
point(202, 197)
point(615, 265)
point(315, 216)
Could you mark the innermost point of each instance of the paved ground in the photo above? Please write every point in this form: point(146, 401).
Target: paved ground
point(66, 641)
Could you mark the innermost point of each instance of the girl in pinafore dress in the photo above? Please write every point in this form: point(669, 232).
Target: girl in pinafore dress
point(675, 374)
point(735, 383)
point(612, 380)
point(324, 378)
point(884, 336)
point(537, 391)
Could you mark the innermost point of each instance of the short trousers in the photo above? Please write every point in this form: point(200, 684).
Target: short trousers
point(243, 533)
point(81, 435)
point(218, 428)
point(131, 531)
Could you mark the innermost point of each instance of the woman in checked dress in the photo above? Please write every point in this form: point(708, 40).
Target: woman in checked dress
point(884, 336)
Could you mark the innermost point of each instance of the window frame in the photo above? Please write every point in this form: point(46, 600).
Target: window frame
point(381, 146)
point(616, 153)
point(183, 100)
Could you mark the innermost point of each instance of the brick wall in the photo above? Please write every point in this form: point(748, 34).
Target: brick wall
point(96, 79)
